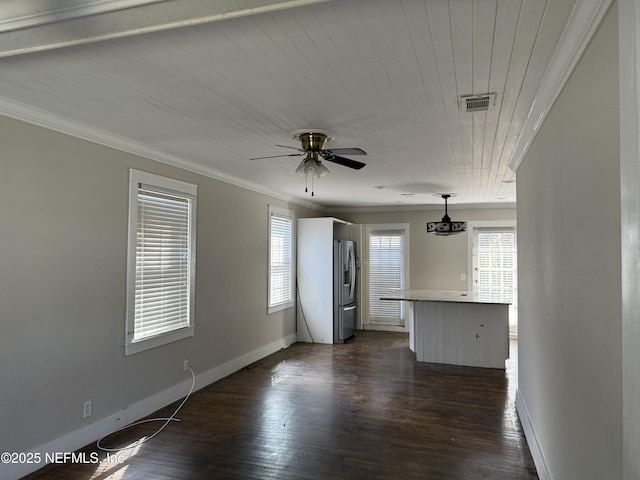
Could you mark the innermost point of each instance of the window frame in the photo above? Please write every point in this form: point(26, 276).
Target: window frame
point(280, 212)
point(180, 189)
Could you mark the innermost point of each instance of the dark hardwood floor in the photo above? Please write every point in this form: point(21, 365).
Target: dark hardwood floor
point(362, 410)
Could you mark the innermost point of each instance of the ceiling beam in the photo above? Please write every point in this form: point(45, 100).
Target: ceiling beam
point(29, 26)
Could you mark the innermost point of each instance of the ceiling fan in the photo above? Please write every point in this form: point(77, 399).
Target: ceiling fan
point(313, 142)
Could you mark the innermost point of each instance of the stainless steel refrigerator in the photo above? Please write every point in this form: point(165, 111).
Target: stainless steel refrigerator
point(344, 290)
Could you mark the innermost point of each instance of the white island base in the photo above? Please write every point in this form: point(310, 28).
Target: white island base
point(453, 328)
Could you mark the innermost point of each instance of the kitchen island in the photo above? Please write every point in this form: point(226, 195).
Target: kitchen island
point(456, 328)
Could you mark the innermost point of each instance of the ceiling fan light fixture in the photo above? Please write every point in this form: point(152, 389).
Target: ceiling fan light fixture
point(446, 226)
point(313, 142)
point(312, 167)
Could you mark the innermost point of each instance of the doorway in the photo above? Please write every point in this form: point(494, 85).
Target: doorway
point(494, 267)
point(386, 271)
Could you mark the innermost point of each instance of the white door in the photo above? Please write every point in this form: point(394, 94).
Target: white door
point(386, 272)
point(495, 269)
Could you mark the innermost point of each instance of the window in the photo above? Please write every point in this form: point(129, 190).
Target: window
point(161, 261)
point(280, 259)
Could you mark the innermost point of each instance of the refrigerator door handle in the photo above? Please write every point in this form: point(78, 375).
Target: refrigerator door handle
point(348, 309)
point(352, 266)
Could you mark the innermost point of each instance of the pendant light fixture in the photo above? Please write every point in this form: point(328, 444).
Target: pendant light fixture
point(446, 226)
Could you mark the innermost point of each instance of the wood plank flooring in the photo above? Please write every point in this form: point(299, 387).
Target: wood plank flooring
point(362, 410)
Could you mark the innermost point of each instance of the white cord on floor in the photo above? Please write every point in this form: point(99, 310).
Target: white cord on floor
point(166, 422)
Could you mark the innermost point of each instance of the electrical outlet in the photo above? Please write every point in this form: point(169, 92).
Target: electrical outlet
point(185, 365)
point(463, 277)
point(86, 409)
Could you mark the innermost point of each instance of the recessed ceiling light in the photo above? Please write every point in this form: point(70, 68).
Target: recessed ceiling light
point(508, 181)
point(407, 194)
point(380, 187)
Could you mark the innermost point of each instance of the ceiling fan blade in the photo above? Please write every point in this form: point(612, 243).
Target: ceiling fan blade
point(276, 156)
point(287, 146)
point(346, 151)
point(345, 162)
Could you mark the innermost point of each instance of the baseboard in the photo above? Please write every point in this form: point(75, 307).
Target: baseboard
point(532, 440)
point(215, 374)
point(385, 328)
point(91, 433)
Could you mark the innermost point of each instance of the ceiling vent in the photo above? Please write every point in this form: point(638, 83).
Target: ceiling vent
point(478, 103)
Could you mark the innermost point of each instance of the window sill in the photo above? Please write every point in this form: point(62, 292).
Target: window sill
point(281, 306)
point(146, 344)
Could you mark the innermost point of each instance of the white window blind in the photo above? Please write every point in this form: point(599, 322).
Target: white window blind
point(496, 257)
point(162, 262)
point(280, 258)
point(386, 265)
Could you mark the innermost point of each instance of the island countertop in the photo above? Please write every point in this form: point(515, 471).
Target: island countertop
point(437, 296)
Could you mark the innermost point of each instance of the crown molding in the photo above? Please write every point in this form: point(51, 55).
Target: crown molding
point(586, 17)
point(56, 123)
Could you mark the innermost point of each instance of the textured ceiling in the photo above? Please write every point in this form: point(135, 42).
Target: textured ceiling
point(210, 90)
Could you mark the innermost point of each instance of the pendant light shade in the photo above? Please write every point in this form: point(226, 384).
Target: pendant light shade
point(446, 226)
point(312, 167)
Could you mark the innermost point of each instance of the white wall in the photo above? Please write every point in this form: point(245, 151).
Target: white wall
point(570, 359)
point(436, 263)
point(63, 245)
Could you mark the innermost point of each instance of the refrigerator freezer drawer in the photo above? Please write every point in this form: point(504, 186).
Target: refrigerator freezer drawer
point(346, 323)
